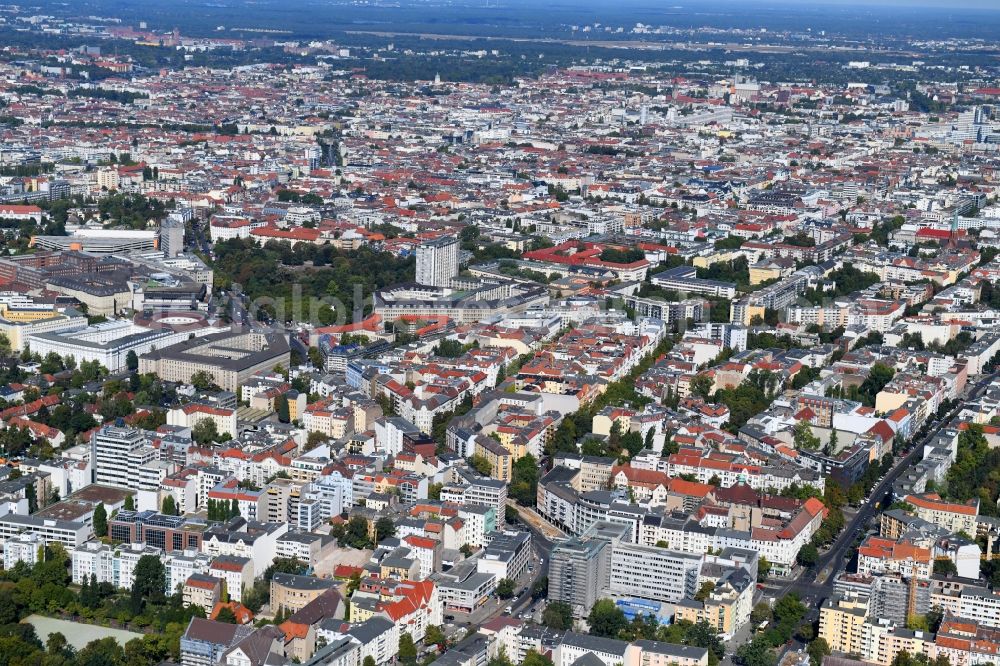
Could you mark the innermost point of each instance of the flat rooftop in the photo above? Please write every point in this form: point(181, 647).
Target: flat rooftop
point(104, 494)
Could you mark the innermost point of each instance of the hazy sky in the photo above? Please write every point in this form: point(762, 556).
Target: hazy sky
point(915, 4)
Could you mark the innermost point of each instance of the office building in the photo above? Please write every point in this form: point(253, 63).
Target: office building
point(108, 343)
point(437, 262)
point(507, 555)
point(172, 237)
point(577, 571)
point(70, 533)
point(685, 280)
point(230, 359)
point(110, 451)
point(648, 572)
point(168, 533)
point(99, 241)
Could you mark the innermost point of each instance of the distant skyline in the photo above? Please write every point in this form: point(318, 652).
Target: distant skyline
point(990, 5)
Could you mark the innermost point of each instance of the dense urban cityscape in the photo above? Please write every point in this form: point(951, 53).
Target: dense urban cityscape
point(499, 334)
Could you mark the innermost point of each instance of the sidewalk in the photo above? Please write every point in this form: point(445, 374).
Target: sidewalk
point(529, 516)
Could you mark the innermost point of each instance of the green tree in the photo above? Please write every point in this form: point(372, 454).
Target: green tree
point(449, 349)
point(501, 659)
point(816, 650)
point(434, 636)
point(205, 431)
point(760, 614)
point(150, 582)
point(703, 635)
point(315, 357)
point(524, 480)
point(702, 385)
point(558, 615)
point(129, 504)
point(540, 588)
point(481, 465)
point(281, 408)
point(606, 619)
point(704, 591)
point(917, 622)
point(763, 569)
point(169, 506)
point(879, 375)
point(102, 652)
point(100, 520)
point(532, 658)
point(407, 650)
point(804, 437)
point(202, 380)
point(757, 652)
point(833, 444)
point(356, 535)
point(56, 644)
point(808, 555)
point(226, 615)
point(132, 361)
point(505, 588)
point(8, 608)
point(945, 567)
point(384, 528)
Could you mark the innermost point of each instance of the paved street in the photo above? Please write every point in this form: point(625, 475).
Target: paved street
point(815, 585)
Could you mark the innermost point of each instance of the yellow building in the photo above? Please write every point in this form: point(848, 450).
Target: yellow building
point(841, 623)
point(717, 613)
point(18, 324)
point(513, 442)
point(605, 420)
point(953, 516)
point(740, 313)
point(705, 262)
point(500, 459)
point(291, 593)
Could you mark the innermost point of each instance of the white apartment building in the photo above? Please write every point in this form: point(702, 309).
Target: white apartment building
point(437, 262)
point(67, 532)
point(333, 492)
point(108, 343)
point(657, 574)
point(25, 548)
point(226, 227)
point(181, 566)
point(111, 450)
point(92, 559)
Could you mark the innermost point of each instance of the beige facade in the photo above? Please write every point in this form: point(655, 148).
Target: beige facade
point(292, 593)
point(104, 304)
point(229, 359)
point(204, 591)
point(17, 327)
point(842, 621)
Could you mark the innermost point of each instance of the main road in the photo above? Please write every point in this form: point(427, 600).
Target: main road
point(812, 586)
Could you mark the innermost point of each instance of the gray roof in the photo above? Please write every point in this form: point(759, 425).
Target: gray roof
point(595, 643)
point(302, 582)
point(332, 652)
point(588, 659)
point(672, 649)
point(219, 633)
point(370, 629)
